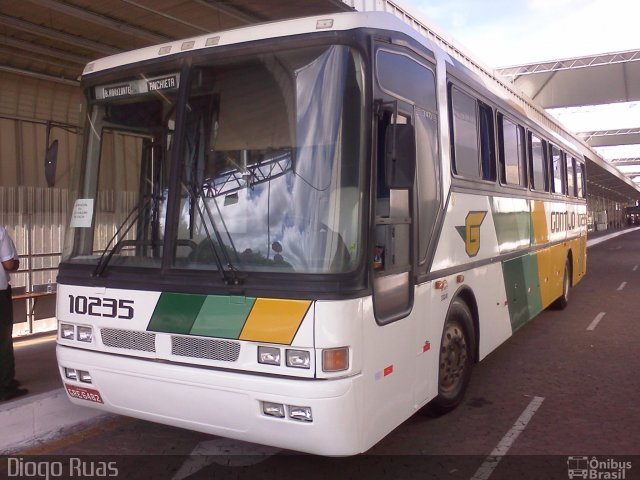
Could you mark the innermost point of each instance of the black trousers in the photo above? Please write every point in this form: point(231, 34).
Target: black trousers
point(7, 361)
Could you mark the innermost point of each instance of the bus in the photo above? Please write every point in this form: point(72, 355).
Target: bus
point(301, 233)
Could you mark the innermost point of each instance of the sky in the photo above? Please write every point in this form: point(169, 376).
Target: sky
point(502, 33)
point(513, 32)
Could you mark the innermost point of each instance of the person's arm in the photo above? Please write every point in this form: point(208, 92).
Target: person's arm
point(11, 264)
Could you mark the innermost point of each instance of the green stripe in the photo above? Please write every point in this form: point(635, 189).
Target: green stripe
point(523, 291)
point(512, 221)
point(222, 317)
point(176, 313)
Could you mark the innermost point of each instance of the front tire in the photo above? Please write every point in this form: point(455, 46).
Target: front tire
point(457, 349)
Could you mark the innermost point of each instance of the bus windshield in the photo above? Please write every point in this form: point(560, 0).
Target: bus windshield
point(271, 166)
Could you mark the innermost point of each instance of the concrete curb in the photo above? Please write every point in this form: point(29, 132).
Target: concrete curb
point(596, 241)
point(39, 417)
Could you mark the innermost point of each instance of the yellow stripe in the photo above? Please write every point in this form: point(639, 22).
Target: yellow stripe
point(551, 273)
point(274, 321)
point(551, 267)
point(539, 220)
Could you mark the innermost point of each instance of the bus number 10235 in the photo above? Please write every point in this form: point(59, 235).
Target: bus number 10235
point(101, 307)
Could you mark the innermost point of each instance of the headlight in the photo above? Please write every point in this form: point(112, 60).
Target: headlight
point(85, 334)
point(269, 355)
point(67, 331)
point(302, 414)
point(273, 409)
point(298, 359)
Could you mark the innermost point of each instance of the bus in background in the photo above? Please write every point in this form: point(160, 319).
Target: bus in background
point(301, 233)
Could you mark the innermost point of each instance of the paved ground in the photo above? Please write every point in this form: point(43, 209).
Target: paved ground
point(566, 385)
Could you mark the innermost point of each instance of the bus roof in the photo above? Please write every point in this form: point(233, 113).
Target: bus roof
point(276, 29)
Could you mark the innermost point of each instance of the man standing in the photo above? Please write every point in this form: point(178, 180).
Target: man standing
point(9, 386)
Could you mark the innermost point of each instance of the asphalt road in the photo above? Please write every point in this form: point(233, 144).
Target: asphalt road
point(560, 398)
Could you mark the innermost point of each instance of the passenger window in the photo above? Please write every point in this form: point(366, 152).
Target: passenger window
point(511, 154)
point(472, 137)
point(487, 143)
point(465, 134)
point(580, 180)
point(557, 158)
point(571, 184)
point(537, 153)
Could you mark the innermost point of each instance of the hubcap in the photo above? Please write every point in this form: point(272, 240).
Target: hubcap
point(453, 358)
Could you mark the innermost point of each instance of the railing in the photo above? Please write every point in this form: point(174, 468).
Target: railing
point(35, 300)
point(35, 218)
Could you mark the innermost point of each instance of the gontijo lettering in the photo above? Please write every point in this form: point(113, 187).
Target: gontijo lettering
point(563, 221)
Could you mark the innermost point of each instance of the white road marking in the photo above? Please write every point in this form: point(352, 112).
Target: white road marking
point(223, 451)
point(491, 462)
point(635, 267)
point(592, 326)
point(622, 285)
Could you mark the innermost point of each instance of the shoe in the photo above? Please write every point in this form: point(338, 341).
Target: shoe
point(13, 393)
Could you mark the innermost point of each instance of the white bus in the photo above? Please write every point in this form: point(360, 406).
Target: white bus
point(301, 233)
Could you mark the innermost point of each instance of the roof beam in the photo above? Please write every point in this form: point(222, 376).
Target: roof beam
point(167, 16)
point(101, 20)
point(52, 62)
point(50, 52)
point(56, 35)
point(570, 63)
point(39, 76)
point(625, 161)
point(610, 138)
point(233, 12)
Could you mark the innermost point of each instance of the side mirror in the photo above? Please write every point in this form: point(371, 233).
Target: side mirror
point(400, 156)
point(50, 161)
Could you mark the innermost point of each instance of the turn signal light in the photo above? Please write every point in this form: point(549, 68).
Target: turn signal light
point(335, 359)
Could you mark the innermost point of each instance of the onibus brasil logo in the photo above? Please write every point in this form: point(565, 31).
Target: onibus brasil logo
point(594, 468)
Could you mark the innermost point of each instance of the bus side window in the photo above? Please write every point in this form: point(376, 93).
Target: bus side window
point(580, 180)
point(537, 155)
point(487, 142)
point(556, 168)
point(464, 135)
point(511, 152)
point(472, 136)
point(571, 183)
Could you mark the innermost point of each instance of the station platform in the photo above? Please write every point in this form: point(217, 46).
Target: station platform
point(45, 411)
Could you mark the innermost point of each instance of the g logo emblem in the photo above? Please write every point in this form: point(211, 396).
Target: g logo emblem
point(470, 233)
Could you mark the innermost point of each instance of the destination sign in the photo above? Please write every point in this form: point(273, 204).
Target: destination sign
point(138, 87)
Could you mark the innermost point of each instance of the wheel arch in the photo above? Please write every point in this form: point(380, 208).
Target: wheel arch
point(465, 294)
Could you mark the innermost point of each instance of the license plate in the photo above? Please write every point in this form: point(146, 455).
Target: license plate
point(82, 393)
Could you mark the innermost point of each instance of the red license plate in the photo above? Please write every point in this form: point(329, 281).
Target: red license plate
point(82, 393)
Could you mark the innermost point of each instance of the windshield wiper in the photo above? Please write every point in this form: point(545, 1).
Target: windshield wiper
point(229, 275)
point(129, 221)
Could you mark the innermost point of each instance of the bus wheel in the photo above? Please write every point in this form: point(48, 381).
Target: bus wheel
point(456, 359)
point(562, 301)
